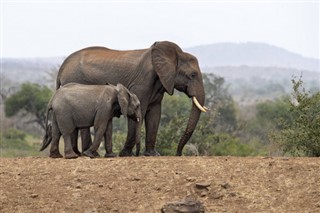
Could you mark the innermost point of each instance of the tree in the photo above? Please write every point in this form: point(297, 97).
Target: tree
point(301, 135)
point(30, 99)
point(216, 123)
point(221, 104)
point(174, 116)
point(267, 118)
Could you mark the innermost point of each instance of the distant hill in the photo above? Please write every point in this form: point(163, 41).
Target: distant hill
point(29, 69)
point(251, 54)
point(249, 84)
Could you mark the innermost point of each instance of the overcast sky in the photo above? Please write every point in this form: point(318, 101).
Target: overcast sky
point(42, 29)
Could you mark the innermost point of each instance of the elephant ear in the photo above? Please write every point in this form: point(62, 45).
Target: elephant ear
point(164, 60)
point(123, 99)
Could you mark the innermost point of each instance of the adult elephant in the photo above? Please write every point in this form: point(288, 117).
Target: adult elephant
point(148, 73)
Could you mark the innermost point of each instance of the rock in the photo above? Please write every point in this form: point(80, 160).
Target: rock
point(33, 195)
point(202, 185)
point(185, 206)
point(191, 179)
point(136, 179)
point(203, 194)
point(225, 185)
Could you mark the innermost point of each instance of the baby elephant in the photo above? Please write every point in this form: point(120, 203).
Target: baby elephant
point(75, 106)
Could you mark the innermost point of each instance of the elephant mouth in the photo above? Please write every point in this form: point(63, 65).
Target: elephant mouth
point(134, 118)
point(196, 102)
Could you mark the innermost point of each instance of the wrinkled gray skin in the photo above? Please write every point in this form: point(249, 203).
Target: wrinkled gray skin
point(75, 106)
point(148, 73)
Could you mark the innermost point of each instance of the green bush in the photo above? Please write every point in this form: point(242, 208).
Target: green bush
point(13, 143)
point(14, 134)
point(301, 135)
point(227, 145)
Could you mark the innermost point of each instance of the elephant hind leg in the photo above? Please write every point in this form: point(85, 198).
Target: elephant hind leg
point(108, 141)
point(68, 149)
point(56, 135)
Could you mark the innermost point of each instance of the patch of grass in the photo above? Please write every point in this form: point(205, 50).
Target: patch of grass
point(15, 143)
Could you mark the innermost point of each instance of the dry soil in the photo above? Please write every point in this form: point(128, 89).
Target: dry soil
point(145, 184)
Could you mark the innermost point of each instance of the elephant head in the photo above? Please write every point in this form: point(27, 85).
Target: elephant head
point(180, 70)
point(129, 103)
point(130, 107)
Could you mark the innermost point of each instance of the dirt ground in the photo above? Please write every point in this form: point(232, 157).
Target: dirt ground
point(145, 184)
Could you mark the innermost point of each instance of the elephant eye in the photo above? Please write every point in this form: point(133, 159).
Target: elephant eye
point(193, 75)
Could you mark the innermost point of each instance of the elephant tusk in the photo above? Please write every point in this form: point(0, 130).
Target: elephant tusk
point(206, 108)
point(195, 101)
point(138, 120)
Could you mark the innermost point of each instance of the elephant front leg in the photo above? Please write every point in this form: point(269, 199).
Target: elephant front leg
point(152, 120)
point(99, 133)
point(86, 140)
point(131, 137)
point(108, 141)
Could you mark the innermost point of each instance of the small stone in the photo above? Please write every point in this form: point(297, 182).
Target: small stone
point(232, 194)
point(111, 186)
point(225, 185)
point(203, 194)
point(203, 185)
point(100, 185)
point(187, 205)
point(33, 195)
point(78, 186)
point(136, 179)
point(217, 196)
point(191, 179)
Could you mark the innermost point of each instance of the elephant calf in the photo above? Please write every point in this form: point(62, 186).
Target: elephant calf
point(76, 106)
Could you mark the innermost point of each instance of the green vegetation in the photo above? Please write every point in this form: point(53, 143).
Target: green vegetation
point(31, 99)
point(299, 134)
point(288, 125)
point(15, 143)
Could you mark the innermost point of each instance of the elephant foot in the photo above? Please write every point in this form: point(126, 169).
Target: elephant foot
point(55, 155)
point(96, 154)
point(110, 155)
point(151, 152)
point(77, 152)
point(70, 155)
point(89, 153)
point(126, 153)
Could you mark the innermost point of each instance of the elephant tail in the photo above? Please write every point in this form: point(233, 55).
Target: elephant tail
point(47, 138)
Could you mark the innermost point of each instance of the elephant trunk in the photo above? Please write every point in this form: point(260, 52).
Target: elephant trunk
point(192, 122)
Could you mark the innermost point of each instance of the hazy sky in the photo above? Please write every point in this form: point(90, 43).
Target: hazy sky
point(58, 28)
